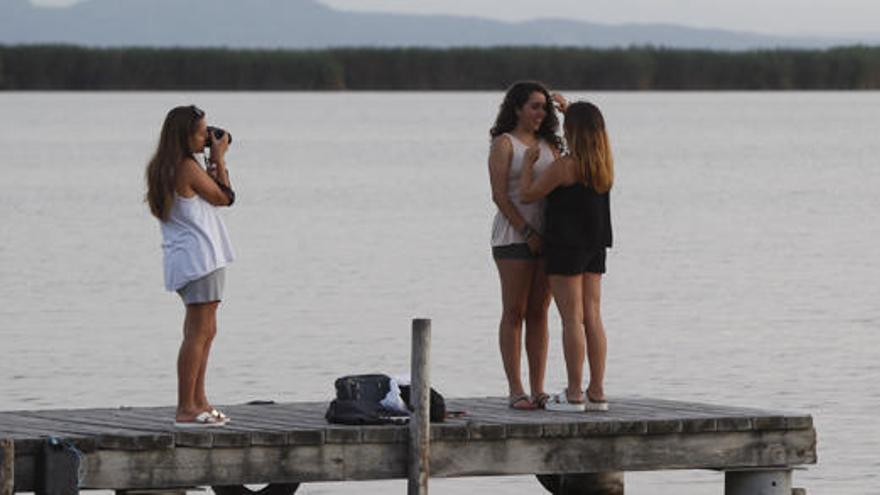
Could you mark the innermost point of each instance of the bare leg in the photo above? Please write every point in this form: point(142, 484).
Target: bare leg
point(597, 344)
point(516, 276)
point(201, 397)
point(197, 335)
point(536, 330)
point(567, 292)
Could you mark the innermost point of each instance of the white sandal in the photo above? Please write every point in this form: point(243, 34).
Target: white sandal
point(595, 405)
point(219, 415)
point(203, 420)
point(560, 403)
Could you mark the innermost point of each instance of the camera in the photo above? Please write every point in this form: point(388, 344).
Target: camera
point(218, 133)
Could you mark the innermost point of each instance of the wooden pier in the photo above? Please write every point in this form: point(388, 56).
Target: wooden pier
point(138, 448)
point(59, 452)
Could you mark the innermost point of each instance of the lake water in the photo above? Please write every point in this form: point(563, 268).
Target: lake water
point(745, 268)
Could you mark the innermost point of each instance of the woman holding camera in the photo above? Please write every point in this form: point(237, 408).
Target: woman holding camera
point(184, 197)
point(526, 119)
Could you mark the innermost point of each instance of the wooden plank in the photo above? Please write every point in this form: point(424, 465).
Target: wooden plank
point(384, 434)
point(627, 453)
point(350, 461)
point(606, 428)
point(449, 431)
point(108, 435)
point(199, 467)
point(115, 427)
point(523, 430)
point(486, 431)
point(306, 437)
point(198, 439)
point(343, 434)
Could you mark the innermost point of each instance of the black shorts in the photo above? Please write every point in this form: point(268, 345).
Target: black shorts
point(519, 251)
point(560, 260)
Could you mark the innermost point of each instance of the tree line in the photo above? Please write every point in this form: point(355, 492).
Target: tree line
point(64, 67)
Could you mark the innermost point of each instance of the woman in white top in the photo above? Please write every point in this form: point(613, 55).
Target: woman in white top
point(184, 197)
point(526, 119)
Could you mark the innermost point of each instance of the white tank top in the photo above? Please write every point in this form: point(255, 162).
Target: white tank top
point(194, 241)
point(503, 233)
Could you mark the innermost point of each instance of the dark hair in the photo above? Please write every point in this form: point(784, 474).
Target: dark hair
point(517, 96)
point(161, 175)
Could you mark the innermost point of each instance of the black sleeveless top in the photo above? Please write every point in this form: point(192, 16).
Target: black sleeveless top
point(577, 216)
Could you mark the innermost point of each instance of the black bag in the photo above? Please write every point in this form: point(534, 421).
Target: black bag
point(352, 412)
point(438, 404)
point(358, 402)
point(366, 388)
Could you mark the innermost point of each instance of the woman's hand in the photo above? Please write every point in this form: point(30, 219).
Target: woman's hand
point(559, 102)
point(218, 147)
point(534, 242)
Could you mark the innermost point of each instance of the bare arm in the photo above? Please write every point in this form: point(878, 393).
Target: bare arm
point(499, 169)
point(217, 167)
point(531, 189)
point(195, 180)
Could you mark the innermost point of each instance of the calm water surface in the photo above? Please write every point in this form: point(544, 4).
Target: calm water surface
point(745, 266)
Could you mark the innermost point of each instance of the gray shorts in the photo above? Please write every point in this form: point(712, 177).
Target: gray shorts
point(206, 289)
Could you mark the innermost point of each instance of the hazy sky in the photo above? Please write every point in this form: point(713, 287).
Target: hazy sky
point(823, 17)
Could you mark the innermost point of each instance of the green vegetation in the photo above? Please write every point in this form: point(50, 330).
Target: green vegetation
point(59, 67)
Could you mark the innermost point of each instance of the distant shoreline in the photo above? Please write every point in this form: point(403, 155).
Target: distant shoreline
point(68, 67)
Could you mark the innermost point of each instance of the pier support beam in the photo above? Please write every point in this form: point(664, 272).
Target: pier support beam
point(420, 420)
point(610, 483)
point(7, 466)
point(763, 482)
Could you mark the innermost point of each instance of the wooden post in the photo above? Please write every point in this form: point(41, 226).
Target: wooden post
point(762, 482)
point(420, 421)
point(7, 466)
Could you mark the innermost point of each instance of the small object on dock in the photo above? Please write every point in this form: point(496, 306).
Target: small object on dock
point(58, 468)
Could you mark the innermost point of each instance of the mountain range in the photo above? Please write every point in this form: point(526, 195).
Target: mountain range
point(310, 24)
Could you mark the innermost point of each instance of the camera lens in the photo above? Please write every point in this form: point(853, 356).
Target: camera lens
point(218, 133)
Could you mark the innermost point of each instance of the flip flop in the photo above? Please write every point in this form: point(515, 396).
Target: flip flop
point(560, 403)
point(218, 414)
point(513, 400)
point(595, 405)
point(203, 420)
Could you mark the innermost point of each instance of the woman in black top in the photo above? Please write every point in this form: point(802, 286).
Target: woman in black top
point(576, 236)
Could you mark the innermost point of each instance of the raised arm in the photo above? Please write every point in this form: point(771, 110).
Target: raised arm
point(531, 189)
point(196, 180)
point(212, 185)
point(499, 170)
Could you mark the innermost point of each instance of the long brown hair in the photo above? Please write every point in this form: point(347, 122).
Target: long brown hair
point(589, 146)
point(517, 96)
point(161, 175)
